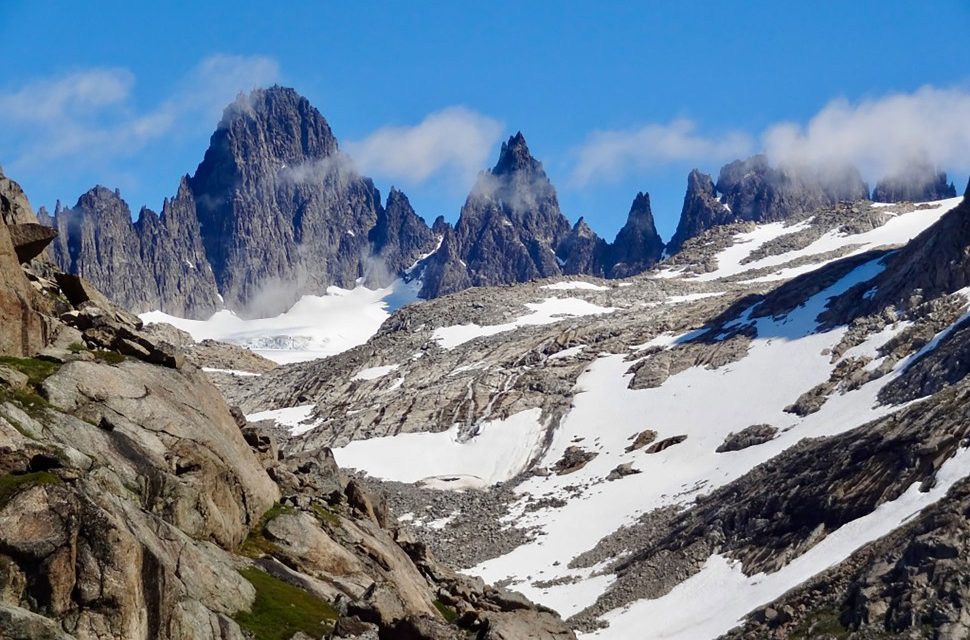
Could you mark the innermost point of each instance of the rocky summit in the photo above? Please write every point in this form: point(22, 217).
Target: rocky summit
point(511, 230)
point(916, 182)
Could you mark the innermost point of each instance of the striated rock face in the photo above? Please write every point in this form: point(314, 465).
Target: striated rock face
point(398, 240)
point(281, 212)
point(918, 183)
point(752, 190)
point(22, 328)
point(171, 251)
point(509, 228)
point(637, 246)
point(933, 263)
point(96, 240)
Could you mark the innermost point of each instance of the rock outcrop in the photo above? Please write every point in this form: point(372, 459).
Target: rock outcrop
point(398, 240)
point(919, 182)
point(752, 190)
point(14, 206)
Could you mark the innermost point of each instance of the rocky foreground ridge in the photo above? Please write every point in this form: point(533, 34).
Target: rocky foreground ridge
point(134, 503)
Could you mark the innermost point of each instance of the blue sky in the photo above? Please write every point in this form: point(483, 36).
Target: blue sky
point(613, 98)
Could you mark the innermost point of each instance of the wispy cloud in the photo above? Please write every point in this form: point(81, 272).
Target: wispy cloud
point(881, 136)
point(455, 139)
point(610, 155)
point(91, 114)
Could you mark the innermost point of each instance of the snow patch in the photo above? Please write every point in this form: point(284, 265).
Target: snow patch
point(296, 419)
point(545, 312)
point(373, 373)
point(566, 285)
point(498, 452)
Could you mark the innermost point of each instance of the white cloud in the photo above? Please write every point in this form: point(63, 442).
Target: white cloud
point(454, 139)
point(90, 114)
point(609, 155)
point(889, 135)
point(880, 136)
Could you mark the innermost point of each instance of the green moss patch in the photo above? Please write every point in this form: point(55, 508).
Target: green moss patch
point(325, 515)
point(448, 613)
point(12, 484)
point(281, 609)
point(108, 357)
point(35, 369)
point(256, 543)
point(29, 400)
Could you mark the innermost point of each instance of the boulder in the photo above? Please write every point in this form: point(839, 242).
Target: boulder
point(23, 330)
point(212, 487)
point(30, 239)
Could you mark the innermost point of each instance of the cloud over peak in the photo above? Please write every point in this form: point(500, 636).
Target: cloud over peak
point(455, 139)
point(880, 136)
point(609, 155)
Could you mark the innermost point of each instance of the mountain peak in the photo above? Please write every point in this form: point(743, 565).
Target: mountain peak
point(515, 156)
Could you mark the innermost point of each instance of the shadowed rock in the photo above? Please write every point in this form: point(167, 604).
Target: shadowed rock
point(30, 239)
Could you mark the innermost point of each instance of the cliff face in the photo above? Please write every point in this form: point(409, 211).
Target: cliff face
point(272, 212)
point(398, 240)
point(154, 263)
point(172, 254)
